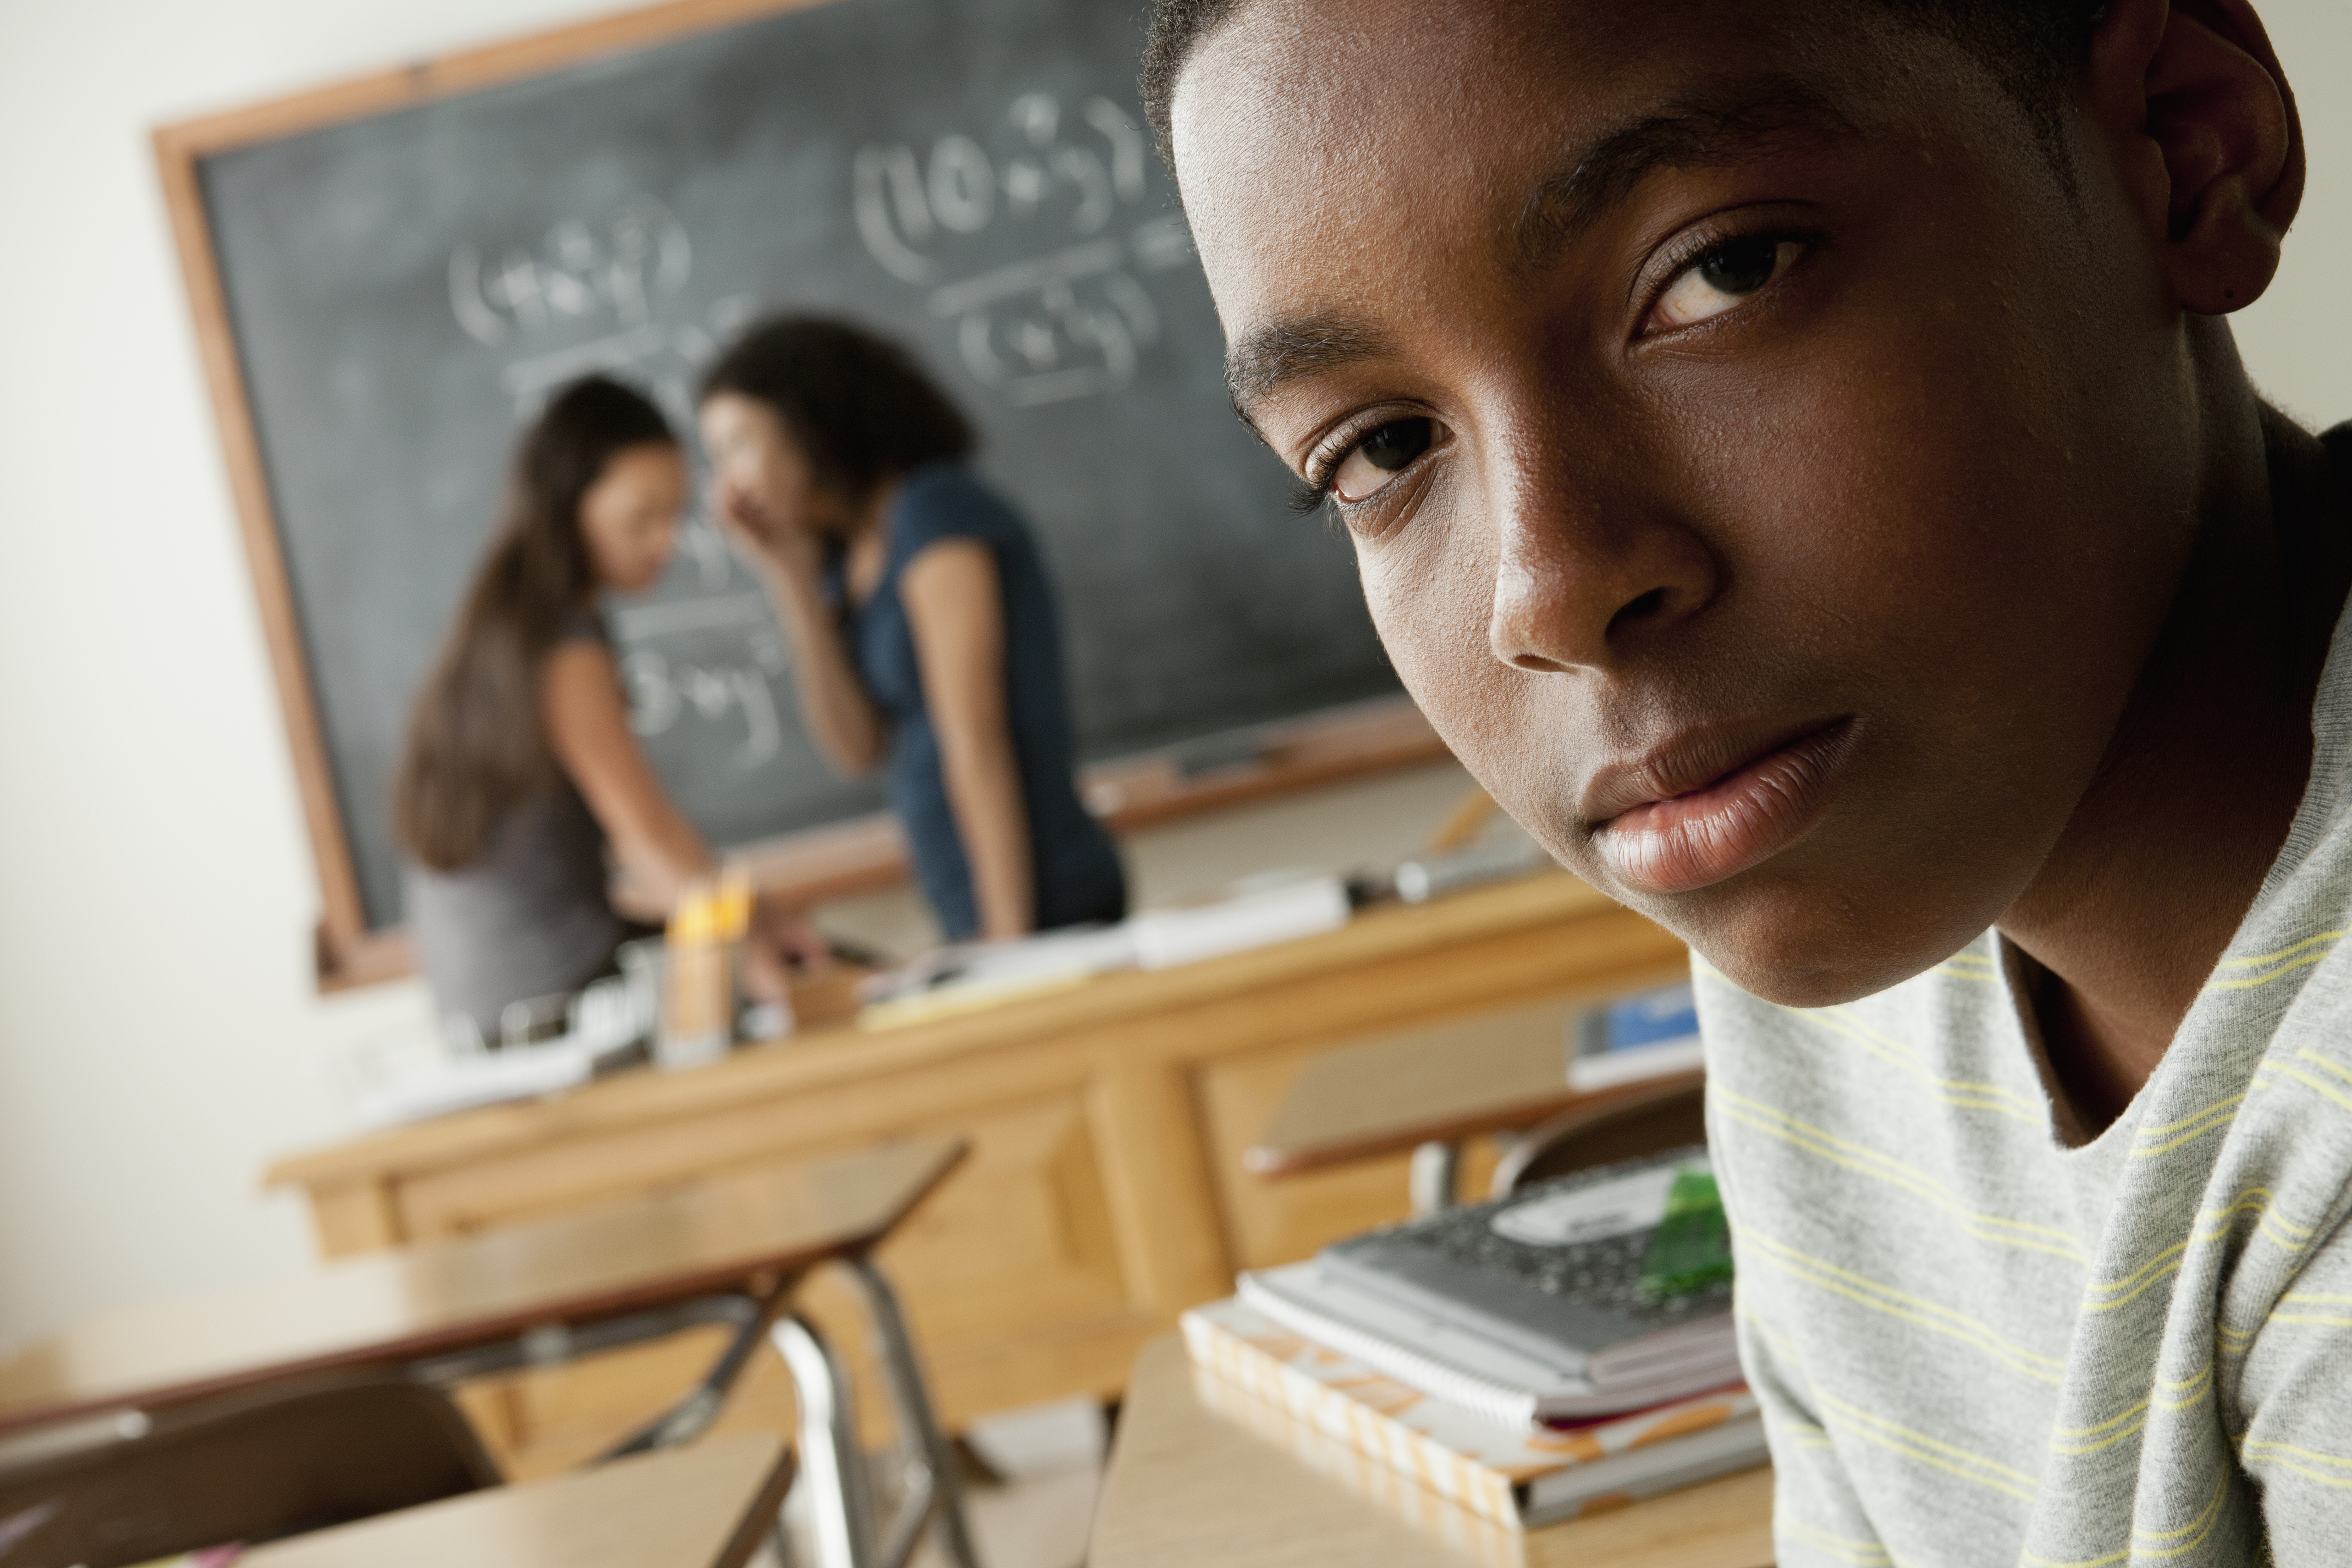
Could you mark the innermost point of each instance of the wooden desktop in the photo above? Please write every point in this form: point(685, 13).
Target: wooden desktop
point(1105, 1192)
point(402, 1307)
point(709, 1506)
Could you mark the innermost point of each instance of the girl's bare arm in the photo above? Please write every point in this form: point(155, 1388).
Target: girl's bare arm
point(955, 609)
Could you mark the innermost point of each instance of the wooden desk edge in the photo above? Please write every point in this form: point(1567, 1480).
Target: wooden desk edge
point(419, 1345)
point(1263, 1160)
point(759, 1513)
point(827, 1056)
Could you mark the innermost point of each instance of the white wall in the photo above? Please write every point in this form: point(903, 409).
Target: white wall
point(159, 1039)
point(2298, 339)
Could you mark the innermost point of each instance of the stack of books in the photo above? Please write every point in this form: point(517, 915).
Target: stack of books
point(1566, 1349)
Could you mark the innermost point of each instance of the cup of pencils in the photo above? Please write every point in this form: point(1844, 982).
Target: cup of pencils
point(702, 958)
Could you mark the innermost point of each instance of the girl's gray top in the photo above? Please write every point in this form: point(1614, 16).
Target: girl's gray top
point(531, 917)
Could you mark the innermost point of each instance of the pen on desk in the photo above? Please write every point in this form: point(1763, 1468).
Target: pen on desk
point(1417, 881)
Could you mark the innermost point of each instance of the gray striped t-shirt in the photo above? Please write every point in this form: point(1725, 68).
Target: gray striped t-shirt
point(1974, 1345)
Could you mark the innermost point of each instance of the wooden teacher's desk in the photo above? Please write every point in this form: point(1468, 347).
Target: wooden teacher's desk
point(1105, 1193)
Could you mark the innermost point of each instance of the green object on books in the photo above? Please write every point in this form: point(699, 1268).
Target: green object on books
point(1691, 1248)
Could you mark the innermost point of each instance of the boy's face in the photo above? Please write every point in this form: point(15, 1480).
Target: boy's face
point(1763, 473)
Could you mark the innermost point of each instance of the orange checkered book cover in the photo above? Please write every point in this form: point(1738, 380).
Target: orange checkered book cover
point(1513, 1476)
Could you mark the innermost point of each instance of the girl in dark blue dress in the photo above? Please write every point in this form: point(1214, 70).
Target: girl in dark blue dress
point(921, 623)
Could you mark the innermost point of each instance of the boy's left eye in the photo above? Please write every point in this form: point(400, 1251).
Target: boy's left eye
point(1374, 460)
point(1722, 277)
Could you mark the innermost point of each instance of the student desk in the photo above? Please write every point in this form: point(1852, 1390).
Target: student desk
point(1105, 1193)
point(705, 1507)
point(757, 1231)
point(1188, 1486)
point(1430, 1089)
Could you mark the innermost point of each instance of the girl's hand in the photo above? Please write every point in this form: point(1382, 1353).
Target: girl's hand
point(771, 540)
point(787, 936)
point(779, 945)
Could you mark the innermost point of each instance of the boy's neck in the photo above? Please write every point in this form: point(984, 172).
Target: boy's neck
point(2142, 893)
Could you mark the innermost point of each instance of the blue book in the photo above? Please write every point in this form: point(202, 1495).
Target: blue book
point(1649, 1035)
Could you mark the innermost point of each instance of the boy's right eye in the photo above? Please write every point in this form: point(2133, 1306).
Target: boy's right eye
point(1723, 277)
point(1380, 456)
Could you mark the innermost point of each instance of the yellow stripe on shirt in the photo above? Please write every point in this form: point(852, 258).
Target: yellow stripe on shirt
point(2105, 1296)
point(2196, 1529)
point(1966, 1093)
point(1852, 1156)
point(2181, 1393)
point(2150, 1142)
point(1884, 1299)
point(1862, 1554)
point(2316, 1086)
point(2309, 1298)
point(2327, 1469)
point(1966, 965)
point(1924, 1449)
point(2105, 1434)
point(2286, 961)
point(2187, 1538)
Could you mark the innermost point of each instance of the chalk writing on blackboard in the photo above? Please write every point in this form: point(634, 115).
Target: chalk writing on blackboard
point(1069, 322)
point(662, 689)
point(617, 267)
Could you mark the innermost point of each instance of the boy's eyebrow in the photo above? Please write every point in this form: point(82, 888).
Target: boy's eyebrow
point(1284, 349)
point(1712, 126)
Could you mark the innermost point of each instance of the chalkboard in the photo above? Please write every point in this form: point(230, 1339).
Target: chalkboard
point(405, 286)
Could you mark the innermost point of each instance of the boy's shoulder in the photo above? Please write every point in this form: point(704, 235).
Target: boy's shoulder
point(1919, 1251)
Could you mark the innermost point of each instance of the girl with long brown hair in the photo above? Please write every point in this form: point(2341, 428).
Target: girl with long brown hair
point(521, 776)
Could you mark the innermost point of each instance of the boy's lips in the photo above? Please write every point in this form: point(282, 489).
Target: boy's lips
point(1705, 807)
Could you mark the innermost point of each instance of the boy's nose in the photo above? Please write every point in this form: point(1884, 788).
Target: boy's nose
point(1576, 587)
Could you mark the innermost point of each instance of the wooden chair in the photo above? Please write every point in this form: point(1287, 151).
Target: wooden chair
point(1647, 1118)
point(249, 1466)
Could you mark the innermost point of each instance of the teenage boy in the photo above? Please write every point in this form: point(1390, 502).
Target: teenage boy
point(1796, 457)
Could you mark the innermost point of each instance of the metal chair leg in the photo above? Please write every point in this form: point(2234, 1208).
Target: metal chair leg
point(692, 1415)
point(934, 1492)
point(832, 1465)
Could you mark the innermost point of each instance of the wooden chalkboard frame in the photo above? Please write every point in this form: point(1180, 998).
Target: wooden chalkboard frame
point(860, 855)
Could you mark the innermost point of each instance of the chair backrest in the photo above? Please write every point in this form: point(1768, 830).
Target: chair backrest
point(243, 1467)
point(1642, 1118)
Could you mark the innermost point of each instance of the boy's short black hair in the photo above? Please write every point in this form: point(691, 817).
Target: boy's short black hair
point(860, 409)
point(2031, 46)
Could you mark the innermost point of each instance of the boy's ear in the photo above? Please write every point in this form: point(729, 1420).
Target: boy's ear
point(2191, 96)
